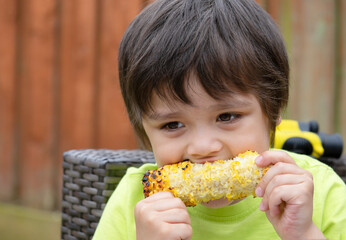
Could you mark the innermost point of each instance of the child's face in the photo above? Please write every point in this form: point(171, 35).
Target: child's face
point(206, 130)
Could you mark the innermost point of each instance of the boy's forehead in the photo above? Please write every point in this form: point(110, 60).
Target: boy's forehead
point(192, 86)
point(198, 96)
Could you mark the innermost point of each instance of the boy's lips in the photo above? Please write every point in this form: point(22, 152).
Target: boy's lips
point(204, 160)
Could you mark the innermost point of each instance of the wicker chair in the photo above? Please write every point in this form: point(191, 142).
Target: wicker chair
point(90, 177)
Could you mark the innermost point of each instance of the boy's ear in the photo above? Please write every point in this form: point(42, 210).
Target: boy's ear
point(278, 120)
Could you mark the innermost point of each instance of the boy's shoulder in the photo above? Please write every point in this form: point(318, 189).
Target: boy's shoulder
point(138, 172)
point(307, 162)
point(320, 170)
point(141, 169)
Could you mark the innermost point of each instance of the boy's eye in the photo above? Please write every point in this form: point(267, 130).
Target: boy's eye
point(226, 117)
point(173, 125)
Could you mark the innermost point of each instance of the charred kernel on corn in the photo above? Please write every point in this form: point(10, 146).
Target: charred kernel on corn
point(194, 183)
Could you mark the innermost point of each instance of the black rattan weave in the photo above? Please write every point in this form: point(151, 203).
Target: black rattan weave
point(89, 178)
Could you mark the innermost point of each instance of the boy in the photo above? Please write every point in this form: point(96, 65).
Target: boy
point(205, 80)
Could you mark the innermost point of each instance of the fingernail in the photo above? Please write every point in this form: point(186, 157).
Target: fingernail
point(259, 192)
point(261, 207)
point(258, 160)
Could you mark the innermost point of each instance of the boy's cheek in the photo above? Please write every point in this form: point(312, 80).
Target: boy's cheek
point(167, 154)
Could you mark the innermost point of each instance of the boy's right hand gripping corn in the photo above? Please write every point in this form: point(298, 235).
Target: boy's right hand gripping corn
point(194, 183)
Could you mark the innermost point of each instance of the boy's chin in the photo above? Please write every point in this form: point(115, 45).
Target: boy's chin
point(219, 203)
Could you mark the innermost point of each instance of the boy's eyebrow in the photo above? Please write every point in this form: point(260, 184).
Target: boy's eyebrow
point(224, 104)
point(161, 116)
point(231, 103)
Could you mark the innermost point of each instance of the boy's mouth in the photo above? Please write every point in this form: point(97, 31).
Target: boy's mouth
point(205, 160)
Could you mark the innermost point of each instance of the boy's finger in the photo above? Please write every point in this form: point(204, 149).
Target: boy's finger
point(278, 169)
point(162, 201)
point(281, 180)
point(159, 196)
point(184, 231)
point(175, 216)
point(272, 157)
point(279, 197)
point(274, 201)
point(149, 203)
point(166, 204)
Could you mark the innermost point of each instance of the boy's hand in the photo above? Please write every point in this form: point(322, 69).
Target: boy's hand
point(287, 192)
point(162, 216)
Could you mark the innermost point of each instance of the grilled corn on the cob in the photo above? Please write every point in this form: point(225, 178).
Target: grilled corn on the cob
point(194, 183)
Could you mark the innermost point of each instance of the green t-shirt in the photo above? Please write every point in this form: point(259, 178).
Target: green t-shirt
point(239, 221)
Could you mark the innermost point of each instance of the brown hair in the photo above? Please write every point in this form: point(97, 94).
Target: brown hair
point(230, 45)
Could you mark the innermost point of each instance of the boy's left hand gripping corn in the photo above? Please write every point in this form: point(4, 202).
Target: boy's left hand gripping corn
point(194, 183)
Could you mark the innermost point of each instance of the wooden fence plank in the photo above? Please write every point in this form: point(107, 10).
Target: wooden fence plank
point(8, 28)
point(273, 7)
point(342, 70)
point(77, 60)
point(312, 62)
point(77, 72)
point(37, 42)
point(114, 129)
point(297, 43)
point(262, 3)
point(281, 11)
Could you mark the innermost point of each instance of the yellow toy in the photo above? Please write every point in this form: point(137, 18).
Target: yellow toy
point(302, 137)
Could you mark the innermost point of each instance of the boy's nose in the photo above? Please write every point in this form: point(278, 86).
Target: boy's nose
point(204, 146)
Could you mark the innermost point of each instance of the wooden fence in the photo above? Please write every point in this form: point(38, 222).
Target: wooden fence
point(59, 89)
